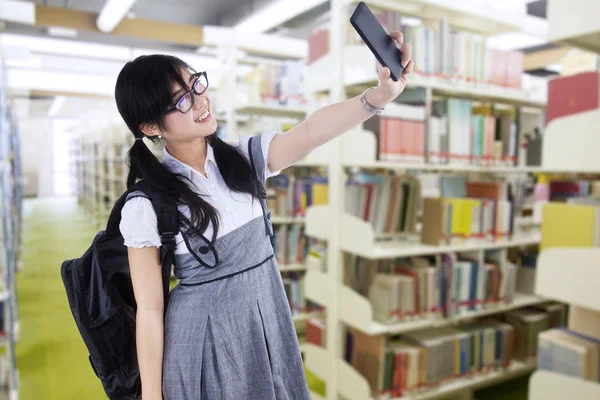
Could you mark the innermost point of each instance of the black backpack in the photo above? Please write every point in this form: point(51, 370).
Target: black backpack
point(101, 296)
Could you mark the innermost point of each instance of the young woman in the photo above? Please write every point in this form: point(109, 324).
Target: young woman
point(228, 331)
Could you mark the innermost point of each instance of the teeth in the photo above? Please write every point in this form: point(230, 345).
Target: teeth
point(203, 116)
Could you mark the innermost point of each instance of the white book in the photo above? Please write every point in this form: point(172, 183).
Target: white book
point(404, 111)
point(465, 289)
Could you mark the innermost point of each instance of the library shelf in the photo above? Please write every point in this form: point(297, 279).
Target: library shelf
point(277, 220)
point(570, 143)
point(433, 10)
point(361, 75)
point(271, 110)
point(516, 368)
point(570, 275)
point(292, 267)
point(547, 385)
point(304, 316)
point(356, 311)
point(574, 23)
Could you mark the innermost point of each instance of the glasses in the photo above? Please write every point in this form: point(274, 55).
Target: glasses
point(186, 101)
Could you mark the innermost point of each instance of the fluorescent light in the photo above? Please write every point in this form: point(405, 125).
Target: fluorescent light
point(64, 47)
point(57, 105)
point(275, 14)
point(22, 12)
point(62, 32)
point(65, 82)
point(112, 13)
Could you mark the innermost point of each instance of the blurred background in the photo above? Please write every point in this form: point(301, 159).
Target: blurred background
point(446, 249)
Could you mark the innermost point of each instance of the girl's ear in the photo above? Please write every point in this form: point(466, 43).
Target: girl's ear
point(150, 129)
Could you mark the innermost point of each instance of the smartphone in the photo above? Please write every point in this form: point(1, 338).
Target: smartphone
point(381, 44)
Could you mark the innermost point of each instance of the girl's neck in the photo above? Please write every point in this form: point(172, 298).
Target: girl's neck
point(191, 153)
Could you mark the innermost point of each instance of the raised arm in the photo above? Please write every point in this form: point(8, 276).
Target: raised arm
point(331, 121)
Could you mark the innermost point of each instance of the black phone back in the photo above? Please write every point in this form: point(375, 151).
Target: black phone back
point(381, 44)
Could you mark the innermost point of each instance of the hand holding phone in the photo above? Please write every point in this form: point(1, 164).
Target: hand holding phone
point(375, 37)
point(385, 48)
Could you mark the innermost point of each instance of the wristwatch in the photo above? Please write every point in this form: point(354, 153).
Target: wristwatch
point(369, 107)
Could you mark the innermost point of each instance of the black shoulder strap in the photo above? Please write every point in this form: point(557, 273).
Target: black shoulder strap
point(168, 226)
point(164, 207)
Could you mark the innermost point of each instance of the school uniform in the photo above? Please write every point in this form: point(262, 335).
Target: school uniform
point(229, 332)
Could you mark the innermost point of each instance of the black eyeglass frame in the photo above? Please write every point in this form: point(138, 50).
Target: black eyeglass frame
point(192, 91)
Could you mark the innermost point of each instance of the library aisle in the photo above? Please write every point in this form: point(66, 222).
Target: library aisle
point(52, 358)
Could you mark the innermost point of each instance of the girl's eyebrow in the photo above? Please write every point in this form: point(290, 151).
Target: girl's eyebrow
point(192, 76)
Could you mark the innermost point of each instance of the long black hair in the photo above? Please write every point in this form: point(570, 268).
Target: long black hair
point(143, 93)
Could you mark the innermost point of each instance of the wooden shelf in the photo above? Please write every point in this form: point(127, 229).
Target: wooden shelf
point(362, 74)
point(570, 275)
point(574, 23)
point(273, 111)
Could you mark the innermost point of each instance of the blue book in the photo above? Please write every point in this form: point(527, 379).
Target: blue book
point(464, 367)
point(585, 337)
point(473, 284)
point(499, 345)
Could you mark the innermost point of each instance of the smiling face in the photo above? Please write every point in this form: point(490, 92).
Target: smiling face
point(190, 114)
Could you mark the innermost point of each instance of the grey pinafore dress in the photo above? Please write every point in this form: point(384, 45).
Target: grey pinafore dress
point(229, 332)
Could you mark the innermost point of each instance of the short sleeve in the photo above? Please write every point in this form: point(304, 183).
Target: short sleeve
point(139, 225)
point(265, 143)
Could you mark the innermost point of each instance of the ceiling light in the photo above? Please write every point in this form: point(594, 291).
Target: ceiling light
point(62, 32)
point(112, 13)
point(275, 14)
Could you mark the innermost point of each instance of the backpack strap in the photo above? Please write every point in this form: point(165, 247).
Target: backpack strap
point(258, 168)
point(168, 226)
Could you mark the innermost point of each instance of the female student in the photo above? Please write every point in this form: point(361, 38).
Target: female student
point(228, 332)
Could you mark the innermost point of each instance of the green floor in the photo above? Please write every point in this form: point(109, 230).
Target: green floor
point(51, 356)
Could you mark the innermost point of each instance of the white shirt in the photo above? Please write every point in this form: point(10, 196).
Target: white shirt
point(139, 225)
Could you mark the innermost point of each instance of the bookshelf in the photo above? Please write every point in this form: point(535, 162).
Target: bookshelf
point(361, 74)
point(11, 197)
point(580, 290)
point(572, 23)
point(353, 69)
point(546, 385)
point(357, 237)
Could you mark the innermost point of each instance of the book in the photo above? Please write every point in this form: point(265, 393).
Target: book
point(568, 95)
point(569, 225)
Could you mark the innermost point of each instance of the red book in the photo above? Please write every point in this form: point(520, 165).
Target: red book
point(572, 94)
point(318, 45)
point(383, 140)
point(314, 332)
